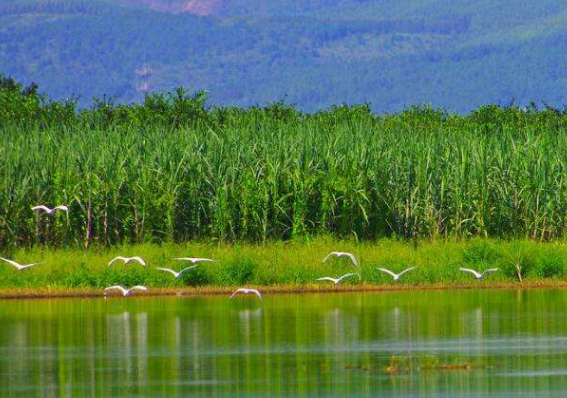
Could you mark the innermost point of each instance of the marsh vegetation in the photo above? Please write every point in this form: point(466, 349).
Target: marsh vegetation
point(291, 265)
point(172, 169)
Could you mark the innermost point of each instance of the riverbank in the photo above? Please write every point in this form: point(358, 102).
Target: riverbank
point(286, 267)
point(61, 293)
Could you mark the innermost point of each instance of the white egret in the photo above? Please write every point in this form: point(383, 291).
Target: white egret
point(19, 266)
point(244, 290)
point(175, 273)
point(342, 254)
point(49, 211)
point(125, 292)
point(336, 281)
point(193, 260)
point(394, 275)
point(127, 260)
point(478, 275)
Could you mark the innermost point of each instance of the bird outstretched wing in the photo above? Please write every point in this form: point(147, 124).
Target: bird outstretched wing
point(12, 262)
point(19, 266)
point(42, 207)
point(352, 258)
point(327, 278)
point(194, 260)
point(22, 267)
point(387, 271)
point(117, 287)
point(345, 276)
point(184, 259)
point(407, 270)
point(331, 254)
point(236, 292)
point(472, 271)
point(138, 259)
point(117, 258)
point(168, 270)
point(247, 291)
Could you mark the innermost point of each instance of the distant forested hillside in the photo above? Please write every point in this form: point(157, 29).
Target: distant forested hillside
point(313, 53)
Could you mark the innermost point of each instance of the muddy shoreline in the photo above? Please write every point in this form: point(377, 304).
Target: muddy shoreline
point(48, 293)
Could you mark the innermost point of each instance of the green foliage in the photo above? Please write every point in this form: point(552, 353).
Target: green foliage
point(172, 170)
point(550, 265)
point(239, 271)
point(520, 261)
point(290, 263)
point(196, 277)
point(16, 102)
point(482, 254)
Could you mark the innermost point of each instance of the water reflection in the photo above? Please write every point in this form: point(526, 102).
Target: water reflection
point(459, 344)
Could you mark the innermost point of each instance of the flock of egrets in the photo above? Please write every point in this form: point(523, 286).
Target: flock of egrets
point(196, 260)
point(395, 277)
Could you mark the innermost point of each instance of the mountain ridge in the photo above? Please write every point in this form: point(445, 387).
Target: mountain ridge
point(314, 53)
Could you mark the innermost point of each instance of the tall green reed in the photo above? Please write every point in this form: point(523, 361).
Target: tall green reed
point(172, 170)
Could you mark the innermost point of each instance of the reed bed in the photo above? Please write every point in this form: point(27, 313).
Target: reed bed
point(173, 170)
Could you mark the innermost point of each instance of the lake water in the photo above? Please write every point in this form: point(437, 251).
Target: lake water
point(403, 344)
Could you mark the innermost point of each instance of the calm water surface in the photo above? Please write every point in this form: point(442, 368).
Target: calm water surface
point(406, 344)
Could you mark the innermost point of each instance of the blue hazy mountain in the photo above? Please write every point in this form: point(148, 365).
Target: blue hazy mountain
point(314, 53)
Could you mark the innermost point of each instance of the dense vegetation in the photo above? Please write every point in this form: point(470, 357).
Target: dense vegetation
point(454, 54)
point(171, 169)
point(289, 264)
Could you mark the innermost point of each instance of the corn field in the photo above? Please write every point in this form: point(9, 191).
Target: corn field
point(131, 175)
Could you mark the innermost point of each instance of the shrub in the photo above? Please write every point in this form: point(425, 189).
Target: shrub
point(550, 265)
point(196, 277)
point(518, 262)
point(237, 272)
point(481, 253)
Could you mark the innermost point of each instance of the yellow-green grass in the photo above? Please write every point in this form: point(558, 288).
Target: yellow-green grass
point(287, 266)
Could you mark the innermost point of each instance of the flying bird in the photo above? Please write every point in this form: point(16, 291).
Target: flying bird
point(342, 254)
point(49, 211)
point(244, 290)
point(19, 266)
point(193, 260)
point(125, 292)
point(394, 275)
point(337, 280)
point(127, 260)
point(175, 273)
point(478, 275)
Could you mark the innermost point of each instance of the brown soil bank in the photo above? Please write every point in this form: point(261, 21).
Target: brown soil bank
point(43, 293)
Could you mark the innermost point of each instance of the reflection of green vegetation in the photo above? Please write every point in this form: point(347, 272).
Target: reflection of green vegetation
point(292, 263)
point(301, 346)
